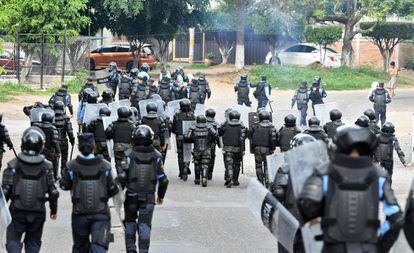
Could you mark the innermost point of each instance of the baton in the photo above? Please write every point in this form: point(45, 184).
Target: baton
point(14, 151)
point(71, 152)
point(270, 105)
point(242, 166)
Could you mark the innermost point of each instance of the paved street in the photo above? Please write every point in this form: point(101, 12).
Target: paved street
point(216, 219)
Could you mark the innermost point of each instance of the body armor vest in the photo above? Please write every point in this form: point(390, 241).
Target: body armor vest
point(152, 90)
point(231, 136)
point(99, 132)
point(201, 138)
point(243, 89)
point(303, 96)
point(155, 124)
point(141, 92)
point(316, 95)
point(164, 92)
point(194, 94)
point(60, 124)
point(260, 91)
point(380, 97)
point(125, 85)
point(123, 131)
point(386, 147)
point(202, 86)
point(48, 131)
point(286, 134)
point(180, 117)
point(141, 175)
point(331, 128)
point(261, 136)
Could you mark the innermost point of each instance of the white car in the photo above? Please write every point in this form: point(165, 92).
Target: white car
point(305, 54)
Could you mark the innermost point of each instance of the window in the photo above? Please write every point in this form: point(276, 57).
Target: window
point(331, 50)
point(307, 49)
point(122, 49)
point(110, 49)
point(294, 49)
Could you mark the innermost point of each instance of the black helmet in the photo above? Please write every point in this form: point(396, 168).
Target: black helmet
point(185, 105)
point(108, 93)
point(264, 78)
point(380, 85)
point(370, 114)
point(303, 83)
point(264, 115)
point(113, 65)
point(314, 121)
point(104, 111)
point(92, 97)
point(317, 80)
point(301, 139)
point(47, 117)
point(89, 79)
point(335, 114)
point(202, 77)
point(243, 77)
point(86, 143)
point(145, 67)
point(201, 119)
point(143, 135)
point(352, 137)
point(59, 107)
point(362, 121)
point(290, 120)
point(33, 140)
point(388, 128)
point(134, 72)
point(152, 107)
point(234, 115)
point(210, 113)
point(124, 112)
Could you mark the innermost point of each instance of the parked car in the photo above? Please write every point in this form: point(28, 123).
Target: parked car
point(119, 53)
point(306, 54)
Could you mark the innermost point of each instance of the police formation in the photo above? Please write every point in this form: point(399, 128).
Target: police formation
point(136, 132)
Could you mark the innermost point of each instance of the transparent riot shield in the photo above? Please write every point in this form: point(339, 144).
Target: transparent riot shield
point(187, 147)
point(303, 160)
point(275, 217)
point(272, 166)
point(143, 106)
point(102, 76)
point(109, 143)
point(279, 117)
point(92, 112)
point(200, 109)
point(114, 106)
point(244, 112)
point(309, 231)
point(5, 218)
point(173, 107)
point(36, 114)
point(322, 111)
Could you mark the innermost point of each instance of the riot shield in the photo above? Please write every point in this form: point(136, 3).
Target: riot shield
point(244, 112)
point(303, 160)
point(36, 114)
point(102, 76)
point(143, 106)
point(309, 231)
point(5, 218)
point(272, 166)
point(92, 112)
point(187, 147)
point(200, 109)
point(275, 217)
point(279, 117)
point(322, 111)
point(114, 106)
point(173, 107)
point(109, 143)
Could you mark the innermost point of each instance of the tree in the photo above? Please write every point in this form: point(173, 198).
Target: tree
point(323, 37)
point(34, 17)
point(388, 35)
point(350, 12)
point(221, 23)
point(269, 19)
point(241, 6)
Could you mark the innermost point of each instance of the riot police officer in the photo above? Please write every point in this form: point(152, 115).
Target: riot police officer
point(144, 71)
point(165, 89)
point(96, 127)
point(142, 170)
point(121, 132)
point(194, 93)
point(29, 170)
point(90, 181)
point(385, 151)
point(204, 88)
point(315, 130)
point(348, 225)
point(113, 77)
point(152, 88)
point(262, 93)
point(91, 98)
point(62, 95)
point(380, 97)
point(202, 135)
point(157, 125)
point(4, 139)
point(233, 134)
point(317, 93)
point(287, 132)
point(210, 115)
point(125, 86)
point(330, 128)
point(301, 98)
point(263, 138)
point(243, 90)
point(362, 121)
point(89, 84)
point(107, 96)
point(185, 114)
point(373, 126)
point(65, 131)
point(139, 91)
point(51, 148)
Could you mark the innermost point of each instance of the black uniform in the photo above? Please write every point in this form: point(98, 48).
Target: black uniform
point(204, 88)
point(315, 130)
point(91, 184)
point(212, 122)
point(165, 90)
point(65, 131)
point(185, 114)
point(142, 170)
point(262, 92)
point(4, 139)
point(287, 132)
point(263, 139)
point(63, 96)
point(380, 97)
point(158, 126)
point(243, 90)
point(373, 126)
point(82, 96)
point(139, 92)
point(301, 99)
point(107, 96)
point(114, 79)
point(125, 87)
point(202, 135)
point(349, 204)
point(194, 94)
point(28, 183)
point(317, 94)
point(96, 127)
point(52, 144)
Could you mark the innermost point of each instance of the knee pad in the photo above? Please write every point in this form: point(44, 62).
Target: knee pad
point(102, 235)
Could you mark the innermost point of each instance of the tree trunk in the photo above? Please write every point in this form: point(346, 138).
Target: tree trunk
point(273, 52)
point(386, 56)
point(239, 62)
point(347, 49)
point(25, 72)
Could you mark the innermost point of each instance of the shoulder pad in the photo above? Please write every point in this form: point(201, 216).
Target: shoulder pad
point(106, 164)
point(71, 164)
point(12, 163)
point(48, 163)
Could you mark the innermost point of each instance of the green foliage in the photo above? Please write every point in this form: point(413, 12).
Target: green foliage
point(220, 20)
point(323, 36)
point(289, 77)
point(8, 90)
point(197, 66)
point(389, 30)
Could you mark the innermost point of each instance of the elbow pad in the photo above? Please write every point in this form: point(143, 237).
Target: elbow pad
point(162, 187)
point(312, 190)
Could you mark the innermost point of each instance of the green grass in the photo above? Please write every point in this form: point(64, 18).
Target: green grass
point(8, 90)
point(197, 66)
point(289, 77)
